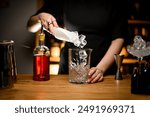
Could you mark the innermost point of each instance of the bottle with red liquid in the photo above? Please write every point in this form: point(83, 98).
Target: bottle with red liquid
point(41, 60)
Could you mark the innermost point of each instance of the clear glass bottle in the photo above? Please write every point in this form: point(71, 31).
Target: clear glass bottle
point(41, 60)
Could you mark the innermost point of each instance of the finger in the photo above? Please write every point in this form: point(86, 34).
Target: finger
point(54, 22)
point(97, 78)
point(91, 71)
point(44, 23)
point(101, 79)
point(90, 74)
point(95, 73)
point(51, 26)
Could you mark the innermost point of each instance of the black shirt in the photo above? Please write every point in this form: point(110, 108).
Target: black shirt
point(100, 20)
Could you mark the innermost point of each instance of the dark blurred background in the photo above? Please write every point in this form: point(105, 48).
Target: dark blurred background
point(13, 18)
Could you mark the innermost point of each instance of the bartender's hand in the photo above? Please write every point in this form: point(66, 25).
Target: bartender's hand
point(48, 21)
point(95, 75)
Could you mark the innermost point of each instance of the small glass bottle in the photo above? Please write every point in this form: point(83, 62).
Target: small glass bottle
point(146, 78)
point(41, 60)
point(135, 81)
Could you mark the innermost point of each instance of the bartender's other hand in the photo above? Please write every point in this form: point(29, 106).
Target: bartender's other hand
point(95, 75)
point(48, 21)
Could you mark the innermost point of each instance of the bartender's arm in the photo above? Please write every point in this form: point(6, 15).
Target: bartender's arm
point(96, 73)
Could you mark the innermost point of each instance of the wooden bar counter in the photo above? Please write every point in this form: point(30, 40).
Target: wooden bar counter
point(58, 88)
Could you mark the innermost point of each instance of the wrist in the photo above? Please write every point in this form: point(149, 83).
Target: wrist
point(101, 69)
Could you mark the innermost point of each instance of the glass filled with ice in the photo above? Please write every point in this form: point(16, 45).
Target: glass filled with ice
point(79, 65)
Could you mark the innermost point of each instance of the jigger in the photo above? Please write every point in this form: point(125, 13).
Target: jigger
point(118, 59)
